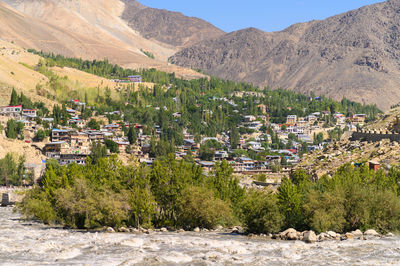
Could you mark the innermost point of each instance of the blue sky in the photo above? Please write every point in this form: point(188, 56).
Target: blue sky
point(267, 15)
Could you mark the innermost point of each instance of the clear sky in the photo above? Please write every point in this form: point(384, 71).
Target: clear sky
point(267, 15)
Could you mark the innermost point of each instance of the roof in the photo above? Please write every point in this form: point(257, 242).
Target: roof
point(55, 143)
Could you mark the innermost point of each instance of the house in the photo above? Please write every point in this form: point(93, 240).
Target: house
point(66, 159)
point(29, 112)
point(374, 165)
point(359, 118)
point(135, 79)
point(60, 135)
point(122, 145)
point(291, 119)
point(244, 164)
point(249, 118)
point(13, 111)
point(55, 149)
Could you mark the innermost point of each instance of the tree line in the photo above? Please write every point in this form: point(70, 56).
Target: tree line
point(178, 194)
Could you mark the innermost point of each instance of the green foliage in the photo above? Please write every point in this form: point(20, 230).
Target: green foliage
point(40, 135)
point(199, 207)
point(97, 151)
point(111, 145)
point(13, 171)
point(132, 135)
point(93, 124)
point(261, 213)
point(14, 98)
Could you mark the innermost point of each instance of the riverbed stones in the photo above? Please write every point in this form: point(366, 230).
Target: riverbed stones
point(309, 237)
point(124, 230)
point(219, 228)
point(110, 230)
point(357, 233)
point(163, 230)
point(237, 230)
point(196, 230)
point(332, 234)
point(349, 236)
point(371, 232)
point(289, 234)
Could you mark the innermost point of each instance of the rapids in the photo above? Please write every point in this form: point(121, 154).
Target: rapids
point(31, 243)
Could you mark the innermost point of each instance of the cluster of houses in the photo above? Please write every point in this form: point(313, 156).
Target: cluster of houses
point(72, 143)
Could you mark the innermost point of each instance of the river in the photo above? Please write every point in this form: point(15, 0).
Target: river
point(30, 243)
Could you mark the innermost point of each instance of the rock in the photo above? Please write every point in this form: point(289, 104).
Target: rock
point(124, 230)
point(110, 230)
point(357, 233)
point(309, 237)
point(237, 230)
point(390, 235)
point(371, 232)
point(219, 228)
point(196, 230)
point(180, 231)
point(289, 234)
point(332, 234)
point(163, 229)
point(205, 230)
point(349, 236)
point(321, 237)
point(135, 231)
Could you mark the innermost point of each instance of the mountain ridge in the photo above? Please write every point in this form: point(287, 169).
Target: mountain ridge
point(355, 55)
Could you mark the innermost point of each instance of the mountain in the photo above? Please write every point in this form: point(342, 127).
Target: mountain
point(167, 27)
point(91, 29)
point(354, 55)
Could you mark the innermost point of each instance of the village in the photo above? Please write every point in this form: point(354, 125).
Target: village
point(263, 148)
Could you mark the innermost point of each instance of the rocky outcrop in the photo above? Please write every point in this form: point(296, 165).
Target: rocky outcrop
point(172, 28)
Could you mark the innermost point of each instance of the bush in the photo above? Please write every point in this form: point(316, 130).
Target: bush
point(261, 213)
point(199, 207)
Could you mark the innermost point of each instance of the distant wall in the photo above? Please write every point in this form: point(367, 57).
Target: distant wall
point(374, 136)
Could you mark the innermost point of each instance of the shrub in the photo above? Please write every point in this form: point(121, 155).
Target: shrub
point(198, 207)
point(261, 213)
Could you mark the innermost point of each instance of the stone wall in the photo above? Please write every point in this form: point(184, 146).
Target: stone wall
point(374, 136)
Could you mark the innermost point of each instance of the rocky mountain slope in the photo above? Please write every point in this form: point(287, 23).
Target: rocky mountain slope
point(355, 54)
point(83, 28)
point(167, 27)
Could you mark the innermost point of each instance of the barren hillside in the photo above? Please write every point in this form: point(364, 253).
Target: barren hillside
point(87, 29)
point(355, 54)
point(167, 27)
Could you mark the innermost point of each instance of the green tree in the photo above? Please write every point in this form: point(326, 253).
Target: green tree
point(12, 129)
point(132, 135)
point(14, 98)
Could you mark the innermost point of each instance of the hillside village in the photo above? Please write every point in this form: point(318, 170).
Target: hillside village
point(273, 147)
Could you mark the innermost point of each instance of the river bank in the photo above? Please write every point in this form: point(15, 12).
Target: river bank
point(23, 243)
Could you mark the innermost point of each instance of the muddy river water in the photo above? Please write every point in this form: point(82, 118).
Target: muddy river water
point(30, 243)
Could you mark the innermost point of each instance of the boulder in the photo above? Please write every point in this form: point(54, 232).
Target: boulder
point(371, 232)
point(237, 230)
point(332, 234)
point(309, 237)
point(196, 230)
point(349, 236)
point(124, 230)
point(163, 229)
point(135, 231)
point(357, 233)
point(289, 234)
point(110, 230)
point(180, 231)
point(390, 235)
point(219, 228)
